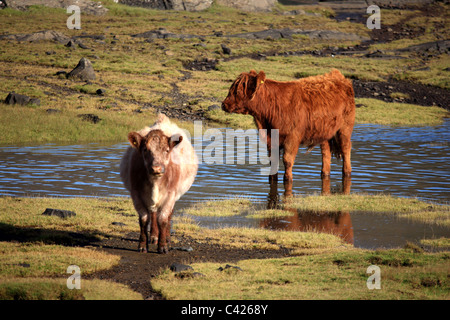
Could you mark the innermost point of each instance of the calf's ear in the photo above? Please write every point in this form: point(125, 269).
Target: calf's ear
point(260, 79)
point(175, 140)
point(135, 139)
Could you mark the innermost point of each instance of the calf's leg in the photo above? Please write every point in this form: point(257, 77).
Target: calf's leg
point(326, 159)
point(164, 218)
point(290, 152)
point(346, 147)
point(154, 229)
point(144, 220)
point(143, 238)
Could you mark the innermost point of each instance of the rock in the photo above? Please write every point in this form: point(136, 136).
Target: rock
point(442, 46)
point(180, 5)
point(332, 35)
point(191, 5)
point(48, 35)
point(83, 71)
point(23, 265)
point(187, 249)
point(204, 64)
point(90, 118)
point(214, 107)
point(198, 5)
point(120, 224)
point(199, 45)
point(288, 33)
point(82, 46)
point(71, 44)
point(162, 33)
point(100, 92)
point(86, 6)
point(294, 12)
point(178, 267)
point(225, 49)
point(236, 268)
point(249, 5)
point(61, 74)
point(59, 213)
point(189, 275)
point(301, 12)
point(15, 98)
point(52, 111)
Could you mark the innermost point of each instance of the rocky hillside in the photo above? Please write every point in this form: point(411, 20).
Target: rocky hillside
point(198, 5)
point(86, 6)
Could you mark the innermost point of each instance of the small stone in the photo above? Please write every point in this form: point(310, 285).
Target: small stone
point(90, 117)
point(15, 98)
point(83, 70)
point(51, 111)
point(178, 267)
point(59, 213)
point(225, 49)
point(214, 107)
point(187, 249)
point(230, 267)
point(71, 44)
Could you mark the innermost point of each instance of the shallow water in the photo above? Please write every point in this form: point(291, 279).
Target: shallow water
point(405, 162)
point(367, 230)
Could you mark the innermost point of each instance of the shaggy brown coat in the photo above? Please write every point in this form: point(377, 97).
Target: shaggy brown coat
point(318, 110)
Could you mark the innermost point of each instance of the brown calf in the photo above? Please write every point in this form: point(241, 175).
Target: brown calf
point(158, 168)
point(312, 111)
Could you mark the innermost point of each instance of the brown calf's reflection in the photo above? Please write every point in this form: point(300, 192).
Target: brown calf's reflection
point(274, 198)
point(337, 223)
point(346, 185)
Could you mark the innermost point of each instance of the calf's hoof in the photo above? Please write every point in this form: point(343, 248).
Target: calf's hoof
point(143, 250)
point(154, 240)
point(163, 249)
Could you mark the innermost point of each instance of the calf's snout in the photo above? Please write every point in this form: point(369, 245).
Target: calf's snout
point(158, 169)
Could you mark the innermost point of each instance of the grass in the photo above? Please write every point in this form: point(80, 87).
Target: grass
point(363, 202)
point(436, 243)
point(94, 218)
point(264, 239)
point(319, 266)
point(398, 114)
point(36, 266)
point(406, 208)
point(56, 289)
point(41, 260)
point(339, 275)
point(220, 208)
point(137, 73)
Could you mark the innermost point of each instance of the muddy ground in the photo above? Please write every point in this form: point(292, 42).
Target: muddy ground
point(136, 269)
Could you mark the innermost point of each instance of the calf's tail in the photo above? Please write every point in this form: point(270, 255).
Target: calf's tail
point(335, 146)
